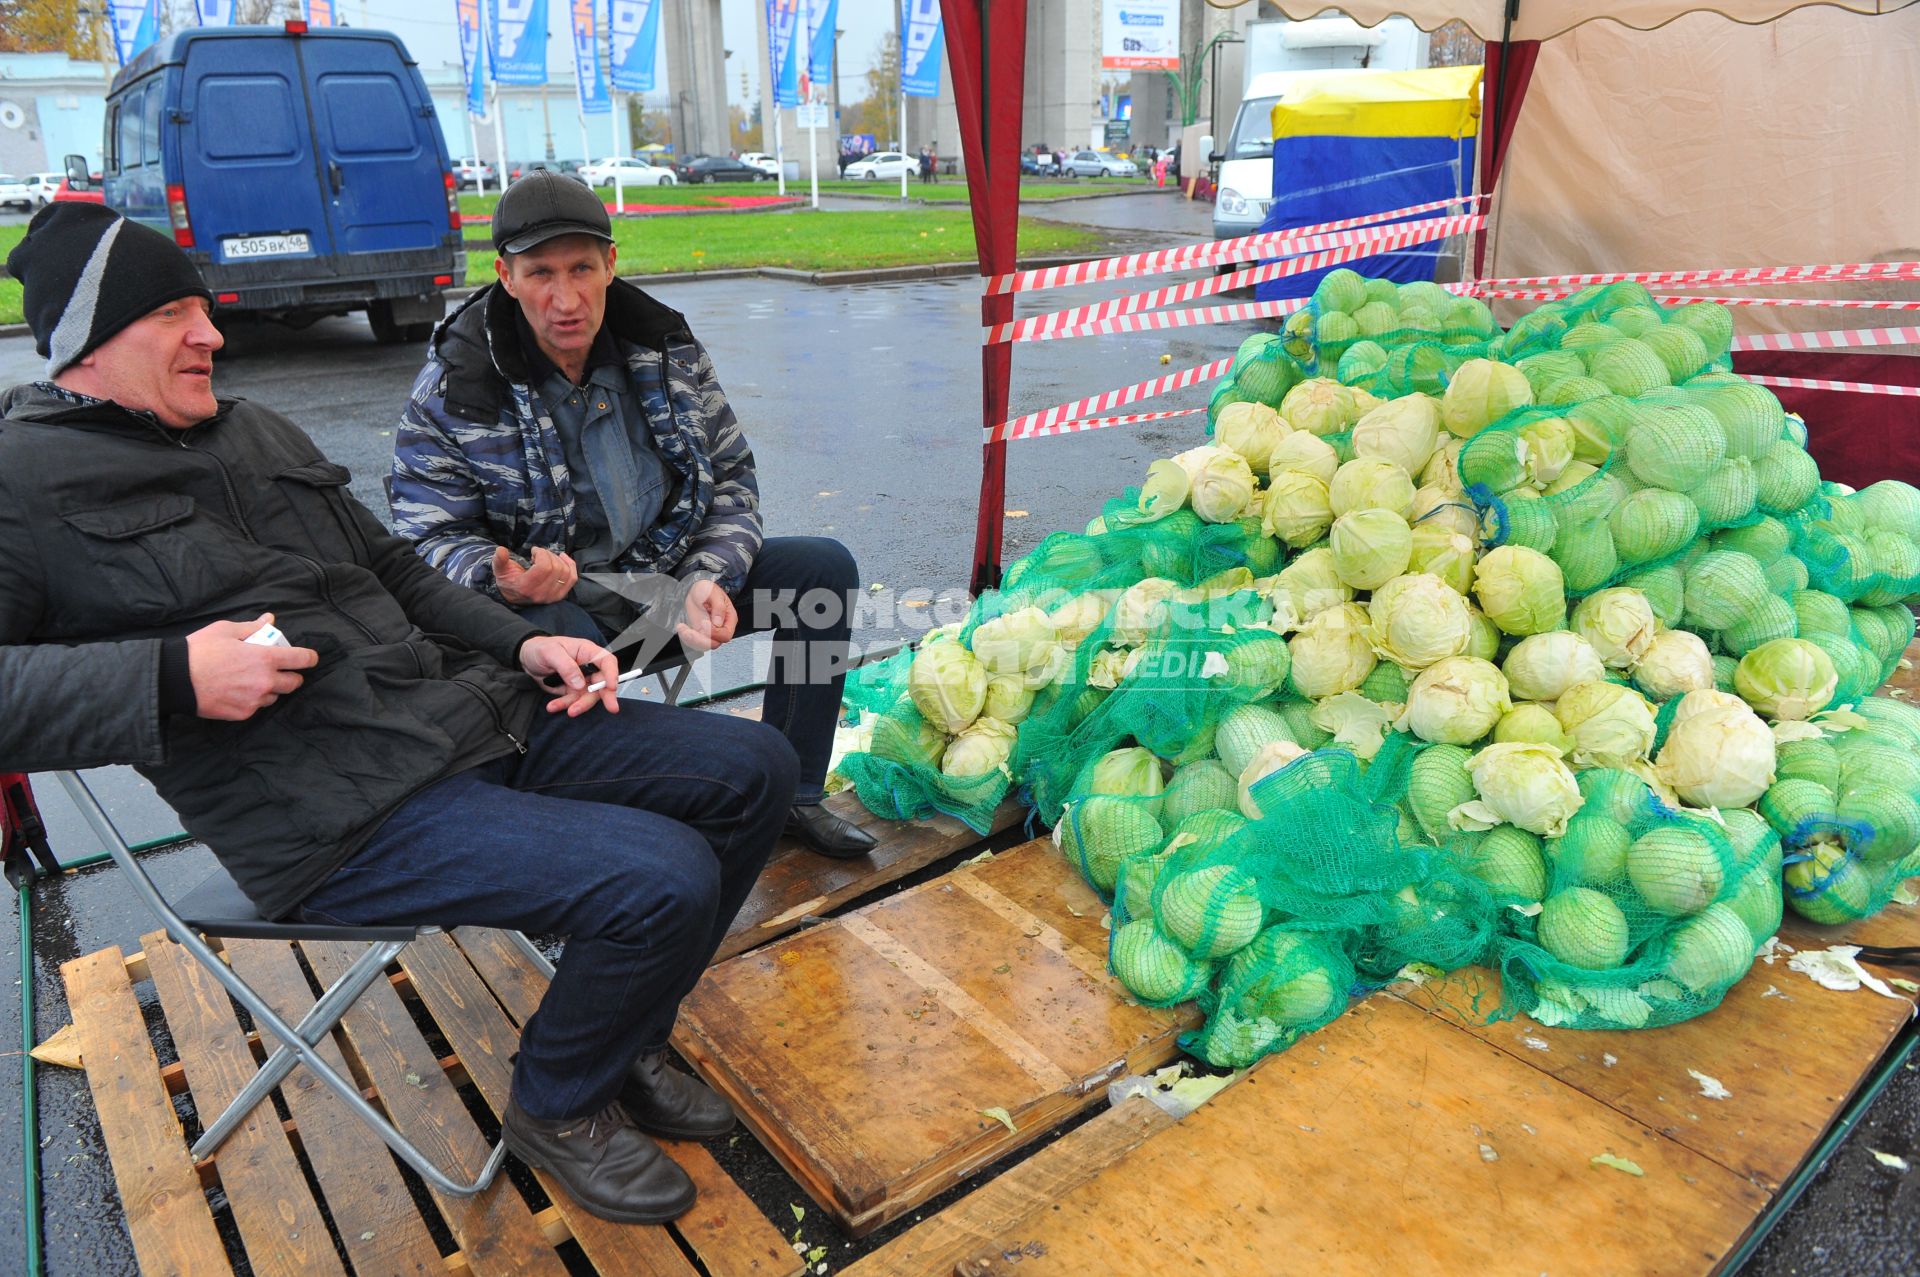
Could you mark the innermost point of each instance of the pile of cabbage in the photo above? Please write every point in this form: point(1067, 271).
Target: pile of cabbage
point(1560, 665)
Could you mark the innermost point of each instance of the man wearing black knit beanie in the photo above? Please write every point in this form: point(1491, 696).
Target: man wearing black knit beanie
point(389, 762)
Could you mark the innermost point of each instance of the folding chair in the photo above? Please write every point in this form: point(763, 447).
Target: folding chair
point(217, 907)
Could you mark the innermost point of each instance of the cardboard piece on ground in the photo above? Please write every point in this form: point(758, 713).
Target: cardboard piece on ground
point(1389, 1142)
point(867, 1052)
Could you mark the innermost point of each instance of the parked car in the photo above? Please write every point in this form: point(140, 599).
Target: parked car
point(762, 161)
point(470, 172)
point(86, 192)
point(717, 168)
point(15, 193)
point(630, 171)
point(517, 169)
point(1100, 164)
point(883, 164)
point(302, 170)
point(45, 186)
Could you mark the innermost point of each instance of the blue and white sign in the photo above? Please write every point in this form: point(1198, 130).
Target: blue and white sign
point(586, 59)
point(783, 20)
point(517, 41)
point(136, 24)
point(320, 13)
point(466, 16)
point(822, 15)
point(633, 29)
point(214, 13)
point(923, 40)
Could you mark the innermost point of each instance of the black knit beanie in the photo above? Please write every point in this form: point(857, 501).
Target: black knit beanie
point(88, 272)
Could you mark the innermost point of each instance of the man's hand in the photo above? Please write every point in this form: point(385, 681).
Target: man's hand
point(232, 678)
point(548, 579)
point(577, 663)
point(710, 618)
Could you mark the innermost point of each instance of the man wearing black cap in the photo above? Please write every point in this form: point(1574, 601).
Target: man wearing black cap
point(391, 763)
point(568, 450)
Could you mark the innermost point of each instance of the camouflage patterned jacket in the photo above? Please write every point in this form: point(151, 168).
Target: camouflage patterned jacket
point(477, 462)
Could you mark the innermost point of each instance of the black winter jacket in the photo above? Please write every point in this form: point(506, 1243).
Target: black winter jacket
point(117, 533)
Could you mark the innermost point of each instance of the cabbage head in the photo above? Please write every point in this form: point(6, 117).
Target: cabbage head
point(982, 747)
point(1675, 663)
point(1250, 430)
point(1268, 759)
point(1332, 652)
point(1296, 508)
point(1305, 588)
point(1128, 773)
point(1417, 620)
point(1371, 547)
point(1164, 491)
point(1019, 641)
point(1525, 785)
point(1435, 506)
point(947, 685)
point(1009, 699)
point(1529, 723)
point(1223, 487)
point(1788, 678)
point(1618, 622)
point(1522, 591)
point(1138, 610)
point(1319, 406)
point(1542, 666)
point(1455, 701)
point(1308, 454)
point(1404, 431)
point(1481, 392)
point(1444, 553)
point(1370, 484)
point(1611, 725)
point(1716, 754)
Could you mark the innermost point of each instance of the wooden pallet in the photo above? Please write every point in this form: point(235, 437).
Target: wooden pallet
point(1360, 1150)
point(868, 1053)
point(318, 1185)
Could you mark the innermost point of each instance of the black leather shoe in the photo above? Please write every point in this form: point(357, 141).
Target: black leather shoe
point(828, 834)
point(664, 1101)
point(604, 1162)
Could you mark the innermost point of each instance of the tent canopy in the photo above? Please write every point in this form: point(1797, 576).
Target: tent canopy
point(1544, 19)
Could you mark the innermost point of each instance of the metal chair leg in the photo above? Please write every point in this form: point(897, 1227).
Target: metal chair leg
point(670, 688)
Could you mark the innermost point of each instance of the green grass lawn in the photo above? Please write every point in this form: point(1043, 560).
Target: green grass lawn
point(948, 190)
point(801, 241)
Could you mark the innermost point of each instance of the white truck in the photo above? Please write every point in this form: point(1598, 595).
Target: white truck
point(1280, 57)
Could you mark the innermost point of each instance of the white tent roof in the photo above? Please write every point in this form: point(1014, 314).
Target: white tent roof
point(1544, 19)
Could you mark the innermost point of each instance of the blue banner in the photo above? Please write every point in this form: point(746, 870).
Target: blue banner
point(634, 30)
point(136, 24)
point(783, 17)
point(214, 13)
point(517, 41)
point(587, 79)
point(923, 40)
point(821, 17)
point(320, 13)
point(466, 17)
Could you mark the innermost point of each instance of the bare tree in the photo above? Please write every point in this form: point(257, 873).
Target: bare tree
point(1455, 45)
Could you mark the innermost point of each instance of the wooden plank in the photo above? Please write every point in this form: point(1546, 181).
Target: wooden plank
point(1791, 1059)
point(280, 1223)
point(372, 1208)
point(1896, 926)
point(1390, 1142)
point(725, 1229)
point(954, 997)
point(798, 883)
point(166, 1209)
point(496, 1232)
point(1002, 1204)
point(484, 1039)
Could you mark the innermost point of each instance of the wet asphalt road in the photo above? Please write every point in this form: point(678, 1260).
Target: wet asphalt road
point(862, 406)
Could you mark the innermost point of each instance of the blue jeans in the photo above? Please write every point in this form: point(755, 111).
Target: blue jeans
point(809, 645)
point(635, 835)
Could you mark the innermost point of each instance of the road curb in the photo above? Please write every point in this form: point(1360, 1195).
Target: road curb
point(878, 198)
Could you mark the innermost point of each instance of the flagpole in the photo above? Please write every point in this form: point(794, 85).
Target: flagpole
point(473, 149)
point(779, 147)
point(500, 136)
point(813, 151)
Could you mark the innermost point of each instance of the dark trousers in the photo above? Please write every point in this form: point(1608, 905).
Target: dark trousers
point(636, 835)
point(801, 589)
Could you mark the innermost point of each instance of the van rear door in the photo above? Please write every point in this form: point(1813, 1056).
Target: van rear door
point(383, 170)
point(247, 156)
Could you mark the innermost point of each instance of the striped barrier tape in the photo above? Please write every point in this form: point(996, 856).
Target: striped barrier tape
point(1051, 418)
point(1320, 251)
point(1815, 383)
point(1674, 299)
point(1844, 272)
point(1101, 423)
point(1190, 256)
point(1833, 339)
point(1156, 320)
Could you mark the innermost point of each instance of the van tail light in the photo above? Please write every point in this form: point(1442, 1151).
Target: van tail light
point(177, 215)
point(453, 201)
point(297, 26)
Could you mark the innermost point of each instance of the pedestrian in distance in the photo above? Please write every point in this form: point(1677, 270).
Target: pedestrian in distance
point(568, 450)
point(417, 753)
point(933, 163)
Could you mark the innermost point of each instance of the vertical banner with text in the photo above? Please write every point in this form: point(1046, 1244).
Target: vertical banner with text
point(822, 15)
point(922, 40)
point(213, 13)
point(136, 24)
point(1141, 35)
point(782, 20)
point(466, 15)
point(320, 13)
point(633, 28)
point(517, 41)
point(586, 59)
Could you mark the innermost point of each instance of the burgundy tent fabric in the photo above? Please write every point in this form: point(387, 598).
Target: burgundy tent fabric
point(1509, 70)
point(987, 49)
point(1857, 438)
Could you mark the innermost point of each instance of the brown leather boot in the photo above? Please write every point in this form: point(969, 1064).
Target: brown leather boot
point(664, 1101)
point(604, 1162)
